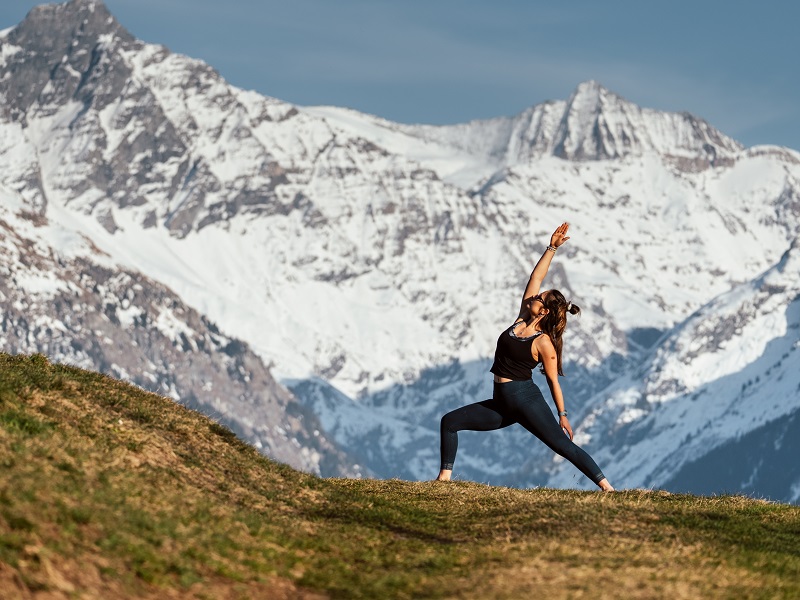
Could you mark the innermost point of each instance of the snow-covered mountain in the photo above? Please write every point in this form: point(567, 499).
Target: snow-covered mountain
point(370, 265)
point(63, 297)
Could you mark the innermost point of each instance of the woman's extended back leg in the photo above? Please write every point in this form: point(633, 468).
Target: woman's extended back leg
point(481, 416)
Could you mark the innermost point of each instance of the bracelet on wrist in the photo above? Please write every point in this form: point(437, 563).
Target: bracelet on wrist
point(562, 413)
point(552, 248)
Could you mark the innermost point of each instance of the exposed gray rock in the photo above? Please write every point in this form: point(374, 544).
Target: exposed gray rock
point(125, 325)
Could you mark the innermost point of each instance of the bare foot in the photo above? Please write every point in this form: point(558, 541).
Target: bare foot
point(444, 475)
point(606, 486)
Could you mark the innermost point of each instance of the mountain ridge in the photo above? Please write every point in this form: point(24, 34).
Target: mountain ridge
point(584, 127)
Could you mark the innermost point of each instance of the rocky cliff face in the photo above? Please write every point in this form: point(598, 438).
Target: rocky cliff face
point(79, 311)
point(79, 128)
point(370, 264)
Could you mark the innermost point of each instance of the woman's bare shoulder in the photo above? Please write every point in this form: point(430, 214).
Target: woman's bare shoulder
point(543, 342)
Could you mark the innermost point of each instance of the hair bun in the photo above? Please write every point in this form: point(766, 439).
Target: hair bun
point(572, 308)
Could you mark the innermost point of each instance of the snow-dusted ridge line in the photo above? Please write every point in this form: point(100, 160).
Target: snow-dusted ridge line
point(594, 124)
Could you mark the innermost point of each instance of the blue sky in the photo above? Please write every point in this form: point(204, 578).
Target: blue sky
point(732, 63)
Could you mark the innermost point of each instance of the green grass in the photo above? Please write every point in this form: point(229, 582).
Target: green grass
point(109, 491)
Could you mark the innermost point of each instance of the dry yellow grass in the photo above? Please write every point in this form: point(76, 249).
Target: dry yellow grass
point(111, 492)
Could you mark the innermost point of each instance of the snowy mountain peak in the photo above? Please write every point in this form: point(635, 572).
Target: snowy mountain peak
point(590, 96)
point(597, 124)
point(593, 124)
point(53, 68)
point(87, 19)
point(580, 135)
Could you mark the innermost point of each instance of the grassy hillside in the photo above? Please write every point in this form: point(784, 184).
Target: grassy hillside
point(111, 492)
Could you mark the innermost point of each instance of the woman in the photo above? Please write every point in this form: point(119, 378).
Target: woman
point(535, 337)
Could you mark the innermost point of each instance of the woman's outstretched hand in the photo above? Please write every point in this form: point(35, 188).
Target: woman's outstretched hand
point(559, 235)
point(565, 426)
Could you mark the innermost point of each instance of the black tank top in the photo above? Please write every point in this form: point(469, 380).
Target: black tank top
point(512, 358)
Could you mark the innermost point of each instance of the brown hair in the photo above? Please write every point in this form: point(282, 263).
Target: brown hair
point(555, 321)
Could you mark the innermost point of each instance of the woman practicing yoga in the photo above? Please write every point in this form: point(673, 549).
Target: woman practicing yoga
point(535, 337)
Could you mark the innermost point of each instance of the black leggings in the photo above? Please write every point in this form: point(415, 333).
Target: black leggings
point(514, 402)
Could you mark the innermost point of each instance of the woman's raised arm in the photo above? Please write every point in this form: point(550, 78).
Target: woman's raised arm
point(540, 270)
